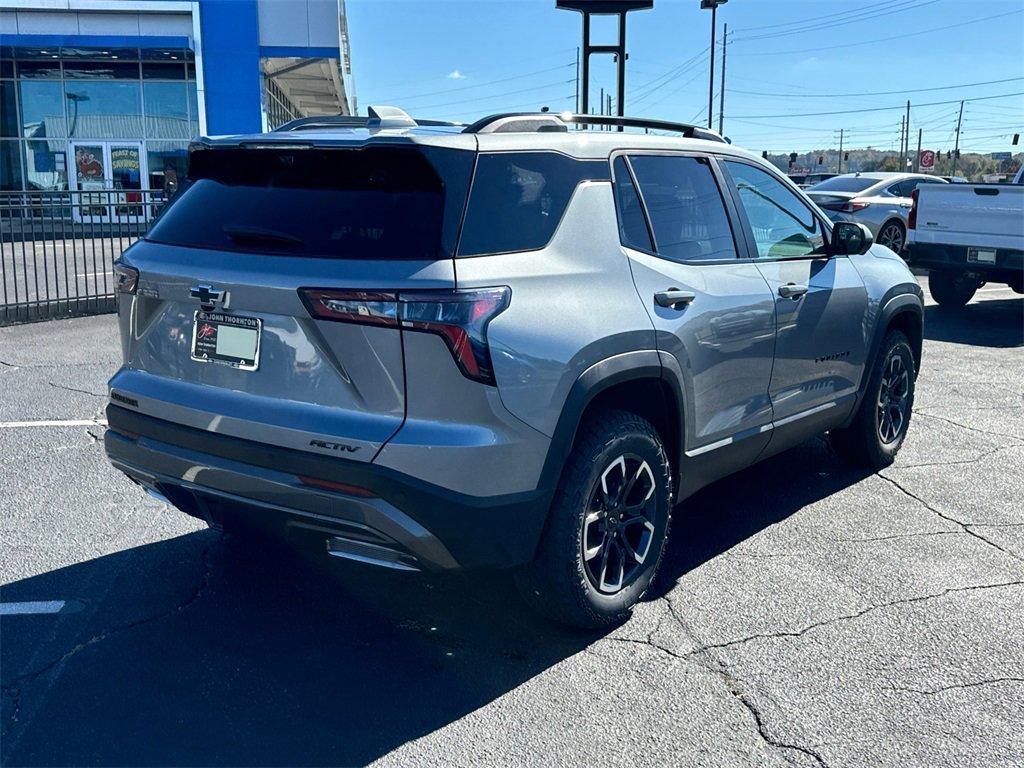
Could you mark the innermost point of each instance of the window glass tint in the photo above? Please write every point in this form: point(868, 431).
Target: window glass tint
point(843, 184)
point(783, 226)
point(685, 206)
point(632, 226)
point(518, 199)
point(345, 204)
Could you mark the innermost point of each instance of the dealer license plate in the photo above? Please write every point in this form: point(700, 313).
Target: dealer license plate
point(227, 339)
point(981, 255)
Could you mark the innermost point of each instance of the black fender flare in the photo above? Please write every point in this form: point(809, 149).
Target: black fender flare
point(906, 302)
point(601, 376)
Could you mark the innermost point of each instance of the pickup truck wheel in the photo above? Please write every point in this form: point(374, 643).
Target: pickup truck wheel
point(893, 235)
point(607, 526)
point(880, 425)
point(951, 289)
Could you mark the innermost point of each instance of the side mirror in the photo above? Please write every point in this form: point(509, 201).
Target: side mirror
point(850, 238)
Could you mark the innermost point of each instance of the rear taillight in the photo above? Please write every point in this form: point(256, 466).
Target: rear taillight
point(912, 216)
point(127, 278)
point(854, 207)
point(460, 318)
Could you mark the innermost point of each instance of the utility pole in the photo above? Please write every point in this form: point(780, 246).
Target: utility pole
point(841, 150)
point(600, 109)
point(917, 158)
point(903, 126)
point(577, 79)
point(956, 150)
point(721, 92)
point(907, 145)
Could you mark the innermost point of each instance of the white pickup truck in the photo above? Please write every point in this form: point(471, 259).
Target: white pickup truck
point(967, 235)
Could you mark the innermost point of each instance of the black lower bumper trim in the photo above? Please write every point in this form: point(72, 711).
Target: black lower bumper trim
point(489, 532)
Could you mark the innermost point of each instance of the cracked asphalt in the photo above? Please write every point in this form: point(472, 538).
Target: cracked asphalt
point(808, 613)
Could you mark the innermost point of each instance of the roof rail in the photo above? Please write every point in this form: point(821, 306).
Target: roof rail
point(541, 121)
point(343, 121)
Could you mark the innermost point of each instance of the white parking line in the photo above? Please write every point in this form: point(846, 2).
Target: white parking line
point(18, 609)
point(64, 423)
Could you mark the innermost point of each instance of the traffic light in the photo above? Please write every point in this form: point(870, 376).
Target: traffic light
point(765, 154)
point(821, 159)
point(792, 159)
point(846, 156)
point(1016, 139)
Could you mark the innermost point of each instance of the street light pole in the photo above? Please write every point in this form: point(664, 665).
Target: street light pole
point(712, 5)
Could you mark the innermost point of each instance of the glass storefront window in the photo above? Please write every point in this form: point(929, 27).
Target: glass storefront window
point(116, 117)
point(104, 109)
point(8, 110)
point(42, 108)
point(167, 162)
point(45, 164)
point(10, 165)
point(166, 110)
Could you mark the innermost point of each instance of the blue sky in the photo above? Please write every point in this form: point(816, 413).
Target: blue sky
point(462, 59)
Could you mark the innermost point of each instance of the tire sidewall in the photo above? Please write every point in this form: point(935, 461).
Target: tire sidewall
point(895, 344)
point(651, 451)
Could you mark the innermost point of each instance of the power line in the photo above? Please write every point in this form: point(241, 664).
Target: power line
point(639, 93)
point(880, 109)
point(881, 93)
point(817, 18)
point(864, 16)
point(881, 39)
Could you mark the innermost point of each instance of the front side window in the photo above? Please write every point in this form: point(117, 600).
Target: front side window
point(517, 199)
point(685, 207)
point(784, 227)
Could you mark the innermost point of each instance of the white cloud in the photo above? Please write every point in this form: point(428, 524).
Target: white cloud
point(456, 75)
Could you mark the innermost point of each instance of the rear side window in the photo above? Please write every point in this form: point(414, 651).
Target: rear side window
point(517, 199)
point(632, 225)
point(685, 206)
point(373, 203)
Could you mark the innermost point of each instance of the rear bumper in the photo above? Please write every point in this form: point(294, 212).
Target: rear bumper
point(402, 522)
point(1008, 266)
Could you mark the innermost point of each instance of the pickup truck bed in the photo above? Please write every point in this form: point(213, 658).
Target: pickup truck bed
point(967, 235)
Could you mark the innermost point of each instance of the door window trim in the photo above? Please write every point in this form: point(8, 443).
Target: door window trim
point(826, 227)
point(741, 244)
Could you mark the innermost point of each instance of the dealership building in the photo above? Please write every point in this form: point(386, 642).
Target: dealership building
point(106, 94)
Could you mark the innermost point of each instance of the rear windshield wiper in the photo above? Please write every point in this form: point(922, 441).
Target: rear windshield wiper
point(246, 234)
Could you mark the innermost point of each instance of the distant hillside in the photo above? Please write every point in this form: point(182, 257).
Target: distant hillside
point(970, 164)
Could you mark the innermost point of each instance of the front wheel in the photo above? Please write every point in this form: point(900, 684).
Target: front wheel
point(880, 425)
point(950, 289)
point(607, 527)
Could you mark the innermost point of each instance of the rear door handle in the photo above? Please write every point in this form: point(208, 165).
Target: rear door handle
point(792, 291)
point(673, 297)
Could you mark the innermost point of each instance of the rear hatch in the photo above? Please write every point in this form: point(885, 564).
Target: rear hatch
point(219, 335)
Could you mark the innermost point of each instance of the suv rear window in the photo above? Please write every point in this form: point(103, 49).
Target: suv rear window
point(518, 198)
point(376, 203)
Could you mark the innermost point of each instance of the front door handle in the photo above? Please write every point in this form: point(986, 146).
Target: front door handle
point(792, 291)
point(673, 297)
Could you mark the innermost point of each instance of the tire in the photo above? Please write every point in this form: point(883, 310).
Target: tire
point(893, 235)
point(875, 436)
point(949, 289)
point(564, 582)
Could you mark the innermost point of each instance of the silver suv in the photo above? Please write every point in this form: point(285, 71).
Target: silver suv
point(518, 344)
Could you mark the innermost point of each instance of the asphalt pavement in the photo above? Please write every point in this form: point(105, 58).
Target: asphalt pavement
point(809, 613)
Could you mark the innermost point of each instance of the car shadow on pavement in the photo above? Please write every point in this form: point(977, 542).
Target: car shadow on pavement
point(202, 649)
point(995, 323)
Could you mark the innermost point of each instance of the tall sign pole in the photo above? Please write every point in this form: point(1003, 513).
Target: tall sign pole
point(607, 8)
point(711, 77)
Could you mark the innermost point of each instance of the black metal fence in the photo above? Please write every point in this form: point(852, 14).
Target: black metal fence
point(57, 248)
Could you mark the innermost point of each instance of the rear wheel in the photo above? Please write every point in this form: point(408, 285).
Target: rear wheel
point(893, 235)
point(951, 289)
point(607, 526)
point(880, 425)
